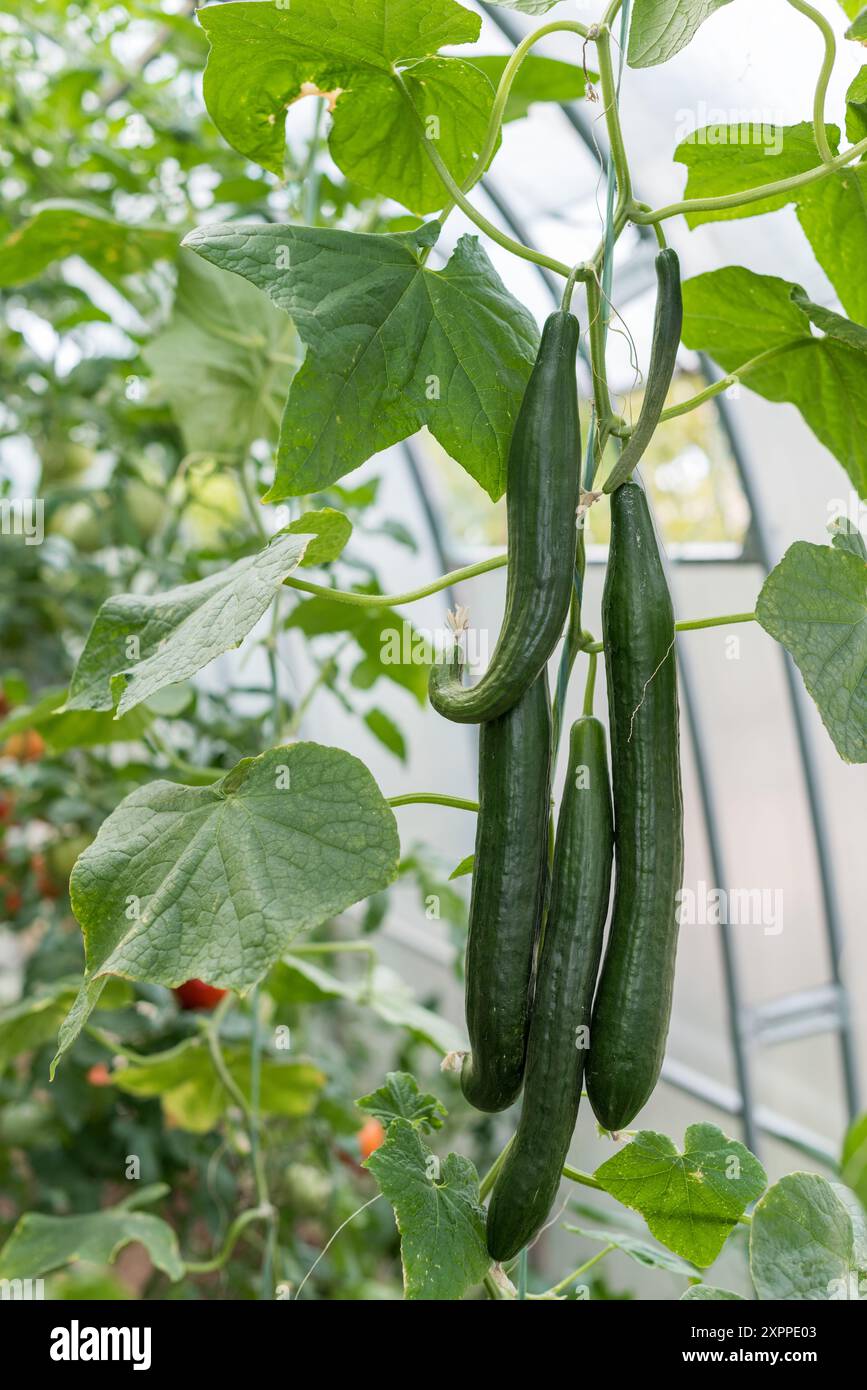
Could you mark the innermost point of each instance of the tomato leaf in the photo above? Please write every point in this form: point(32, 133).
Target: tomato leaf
point(815, 603)
point(39, 1244)
point(176, 633)
point(400, 1098)
point(370, 61)
point(392, 345)
point(734, 315)
point(806, 1241)
point(214, 882)
point(661, 28)
point(438, 1213)
point(691, 1201)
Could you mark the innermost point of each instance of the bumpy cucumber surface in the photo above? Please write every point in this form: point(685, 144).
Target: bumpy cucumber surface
point(633, 1003)
point(667, 328)
point(542, 495)
point(568, 963)
point(509, 876)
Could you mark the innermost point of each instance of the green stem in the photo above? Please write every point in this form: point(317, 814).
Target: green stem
point(458, 196)
point(432, 799)
point(493, 1172)
point(394, 600)
point(578, 272)
point(716, 388)
point(749, 195)
point(825, 74)
point(563, 1285)
point(724, 621)
point(612, 117)
point(241, 1222)
point(585, 1179)
point(597, 332)
point(590, 687)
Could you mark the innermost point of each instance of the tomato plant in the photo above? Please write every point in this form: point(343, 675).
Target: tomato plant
point(215, 317)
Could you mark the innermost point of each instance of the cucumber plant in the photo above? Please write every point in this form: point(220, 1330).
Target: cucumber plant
point(286, 304)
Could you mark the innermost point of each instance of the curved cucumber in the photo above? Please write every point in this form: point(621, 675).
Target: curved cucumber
point(542, 495)
point(633, 1003)
point(509, 876)
point(667, 328)
point(568, 962)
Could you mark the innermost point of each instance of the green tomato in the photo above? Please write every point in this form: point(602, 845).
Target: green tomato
point(64, 461)
point(308, 1189)
point(80, 524)
point(26, 1122)
point(146, 507)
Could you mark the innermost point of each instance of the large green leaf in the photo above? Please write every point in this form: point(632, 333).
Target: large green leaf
point(40, 1243)
point(34, 1020)
point(661, 28)
point(815, 603)
point(392, 345)
point(140, 643)
point(833, 213)
point(439, 1216)
point(724, 159)
point(64, 228)
point(691, 1201)
point(223, 361)
point(804, 1243)
point(538, 79)
point(194, 1097)
point(64, 728)
point(856, 107)
point(368, 59)
point(734, 315)
point(214, 882)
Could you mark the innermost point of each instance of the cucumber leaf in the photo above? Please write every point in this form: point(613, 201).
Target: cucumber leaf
point(661, 28)
point(806, 1242)
point(214, 882)
point(856, 107)
point(400, 1098)
point(853, 1160)
point(370, 61)
point(392, 345)
point(537, 79)
point(706, 1293)
point(858, 30)
point(330, 530)
point(691, 1201)
point(815, 603)
point(723, 159)
point(438, 1213)
point(174, 634)
point(846, 536)
point(641, 1251)
point(734, 315)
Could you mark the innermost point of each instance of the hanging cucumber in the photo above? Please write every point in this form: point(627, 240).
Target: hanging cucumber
point(633, 1003)
point(663, 357)
point(509, 874)
point(568, 962)
point(542, 495)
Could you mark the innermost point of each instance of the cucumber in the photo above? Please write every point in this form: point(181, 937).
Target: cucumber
point(568, 963)
point(542, 496)
point(509, 875)
point(633, 1003)
point(663, 359)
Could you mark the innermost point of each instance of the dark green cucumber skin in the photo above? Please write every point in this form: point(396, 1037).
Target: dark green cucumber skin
point(633, 1003)
point(568, 964)
point(667, 328)
point(509, 876)
point(542, 496)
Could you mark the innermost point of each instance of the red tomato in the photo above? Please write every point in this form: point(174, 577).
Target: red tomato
point(99, 1075)
point(7, 806)
point(27, 747)
point(195, 994)
point(14, 902)
point(370, 1136)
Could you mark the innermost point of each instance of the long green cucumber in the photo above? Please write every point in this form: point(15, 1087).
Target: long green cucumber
point(633, 1003)
point(663, 358)
point(568, 963)
point(509, 875)
point(542, 496)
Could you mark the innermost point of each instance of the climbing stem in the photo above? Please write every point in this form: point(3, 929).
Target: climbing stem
point(825, 74)
point(590, 687)
point(238, 1226)
point(612, 116)
point(444, 581)
point(748, 195)
point(563, 1285)
point(493, 1172)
